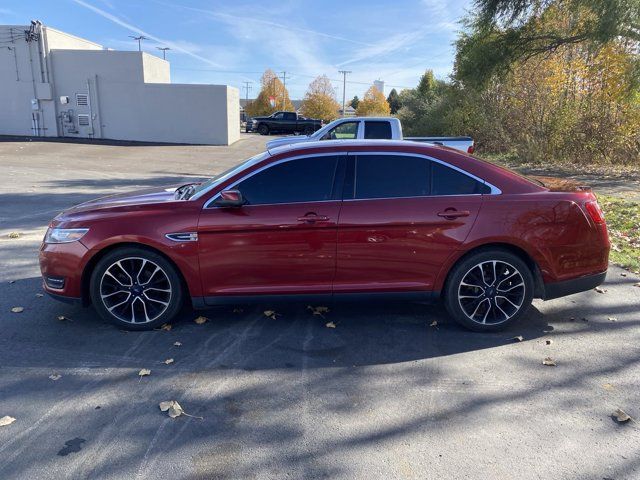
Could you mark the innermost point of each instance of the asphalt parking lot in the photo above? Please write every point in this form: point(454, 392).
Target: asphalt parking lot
point(385, 394)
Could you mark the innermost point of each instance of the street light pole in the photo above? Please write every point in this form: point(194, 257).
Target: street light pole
point(139, 39)
point(164, 51)
point(344, 89)
point(284, 88)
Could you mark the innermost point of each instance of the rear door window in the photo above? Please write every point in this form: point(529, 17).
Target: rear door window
point(290, 116)
point(308, 179)
point(377, 130)
point(391, 176)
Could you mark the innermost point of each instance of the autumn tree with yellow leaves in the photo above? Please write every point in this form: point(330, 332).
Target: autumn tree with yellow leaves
point(373, 104)
point(319, 101)
point(272, 87)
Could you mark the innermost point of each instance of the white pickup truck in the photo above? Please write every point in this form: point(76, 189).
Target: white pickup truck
point(370, 128)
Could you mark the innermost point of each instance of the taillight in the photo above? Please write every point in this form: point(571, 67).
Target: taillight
point(594, 211)
point(471, 149)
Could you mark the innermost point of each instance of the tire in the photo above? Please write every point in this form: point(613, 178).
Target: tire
point(136, 289)
point(263, 129)
point(482, 301)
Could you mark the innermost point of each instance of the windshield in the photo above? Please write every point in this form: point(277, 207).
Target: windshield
point(204, 187)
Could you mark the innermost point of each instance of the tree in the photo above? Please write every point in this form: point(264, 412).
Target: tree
point(394, 101)
point(354, 102)
point(373, 104)
point(319, 101)
point(271, 87)
point(502, 32)
point(425, 108)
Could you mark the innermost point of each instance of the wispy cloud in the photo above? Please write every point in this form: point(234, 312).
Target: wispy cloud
point(385, 47)
point(118, 21)
point(269, 23)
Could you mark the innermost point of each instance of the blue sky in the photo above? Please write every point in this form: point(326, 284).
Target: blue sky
point(230, 42)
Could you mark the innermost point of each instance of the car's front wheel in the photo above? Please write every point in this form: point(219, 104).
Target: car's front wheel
point(489, 290)
point(263, 129)
point(136, 289)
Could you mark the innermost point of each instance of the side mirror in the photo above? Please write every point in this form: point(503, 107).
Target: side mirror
point(229, 198)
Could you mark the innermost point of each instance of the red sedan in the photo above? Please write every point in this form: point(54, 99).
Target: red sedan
point(330, 220)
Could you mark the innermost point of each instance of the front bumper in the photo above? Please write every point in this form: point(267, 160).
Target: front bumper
point(63, 262)
point(575, 285)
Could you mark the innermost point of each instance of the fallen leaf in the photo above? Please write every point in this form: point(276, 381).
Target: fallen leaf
point(434, 323)
point(548, 342)
point(623, 274)
point(177, 344)
point(144, 372)
point(200, 320)
point(599, 290)
point(519, 338)
point(270, 314)
point(636, 284)
point(6, 420)
point(39, 295)
point(12, 281)
point(174, 409)
point(607, 386)
point(549, 362)
point(168, 361)
point(572, 319)
point(621, 416)
point(238, 310)
point(612, 319)
point(14, 235)
point(62, 318)
point(584, 319)
point(320, 311)
point(166, 327)
point(55, 376)
point(330, 325)
point(17, 309)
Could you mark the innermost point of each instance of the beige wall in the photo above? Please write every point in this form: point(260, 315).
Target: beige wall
point(155, 69)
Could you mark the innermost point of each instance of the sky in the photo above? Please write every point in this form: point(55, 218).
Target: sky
point(232, 42)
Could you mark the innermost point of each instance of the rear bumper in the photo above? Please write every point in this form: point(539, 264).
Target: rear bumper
point(575, 285)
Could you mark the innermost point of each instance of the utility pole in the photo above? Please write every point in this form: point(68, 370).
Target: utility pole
point(284, 87)
point(164, 51)
point(344, 89)
point(247, 87)
point(139, 39)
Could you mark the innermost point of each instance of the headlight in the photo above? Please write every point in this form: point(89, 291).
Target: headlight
point(64, 235)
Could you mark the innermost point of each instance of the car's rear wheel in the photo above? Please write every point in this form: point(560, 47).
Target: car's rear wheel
point(136, 289)
point(489, 290)
point(263, 129)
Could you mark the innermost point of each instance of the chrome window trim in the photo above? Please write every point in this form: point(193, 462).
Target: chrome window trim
point(278, 162)
point(494, 190)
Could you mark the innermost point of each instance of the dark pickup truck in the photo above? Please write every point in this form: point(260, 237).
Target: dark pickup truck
point(283, 122)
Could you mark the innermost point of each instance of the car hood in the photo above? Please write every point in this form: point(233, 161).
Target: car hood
point(138, 197)
point(279, 142)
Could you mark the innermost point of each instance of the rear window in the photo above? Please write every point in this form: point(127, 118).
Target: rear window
point(388, 176)
point(447, 181)
point(377, 130)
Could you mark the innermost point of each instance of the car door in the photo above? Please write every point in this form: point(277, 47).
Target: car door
point(283, 240)
point(402, 217)
point(290, 122)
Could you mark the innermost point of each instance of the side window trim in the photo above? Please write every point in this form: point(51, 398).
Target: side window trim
point(341, 156)
point(350, 180)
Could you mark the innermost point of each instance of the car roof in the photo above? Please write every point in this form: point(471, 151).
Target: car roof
point(332, 144)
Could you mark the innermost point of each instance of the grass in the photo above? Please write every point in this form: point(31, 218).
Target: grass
point(623, 221)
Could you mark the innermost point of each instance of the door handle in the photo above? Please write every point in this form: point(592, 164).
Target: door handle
point(312, 218)
point(452, 213)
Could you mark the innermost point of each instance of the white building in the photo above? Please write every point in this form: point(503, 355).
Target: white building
point(379, 84)
point(53, 84)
